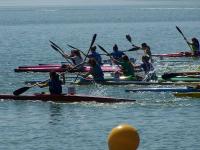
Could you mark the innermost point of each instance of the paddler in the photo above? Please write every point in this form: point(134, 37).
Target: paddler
point(116, 54)
point(95, 55)
point(76, 57)
point(146, 48)
point(54, 83)
point(127, 67)
point(195, 46)
point(148, 68)
point(77, 60)
point(95, 71)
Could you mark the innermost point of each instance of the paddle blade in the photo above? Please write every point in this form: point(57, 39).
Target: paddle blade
point(179, 30)
point(93, 40)
point(128, 37)
point(71, 46)
point(53, 43)
point(21, 90)
point(55, 48)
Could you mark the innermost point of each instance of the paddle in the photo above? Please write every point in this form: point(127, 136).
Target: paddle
point(56, 49)
point(128, 37)
point(77, 49)
point(24, 89)
point(108, 54)
point(80, 50)
point(104, 51)
point(179, 30)
point(57, 46)
point(91, 44)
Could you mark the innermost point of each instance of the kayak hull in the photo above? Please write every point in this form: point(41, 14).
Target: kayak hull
point(181, 89)
point(178, 54)
point(188, 94)
point(174, 74)
point(89, 80)
point(60, 69)
point(64, 98)
point(181, 78)
point(120, 82)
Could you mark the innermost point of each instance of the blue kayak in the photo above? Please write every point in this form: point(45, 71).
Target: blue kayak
point(175, 89)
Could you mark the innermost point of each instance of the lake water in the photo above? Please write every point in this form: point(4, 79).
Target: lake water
point(163, 121)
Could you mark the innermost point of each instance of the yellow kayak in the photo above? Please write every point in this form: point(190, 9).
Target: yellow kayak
point(188, 94)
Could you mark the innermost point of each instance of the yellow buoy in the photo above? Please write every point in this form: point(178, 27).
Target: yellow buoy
point(123, 137)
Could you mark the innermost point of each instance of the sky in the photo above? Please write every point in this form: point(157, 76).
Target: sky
point(84, 2)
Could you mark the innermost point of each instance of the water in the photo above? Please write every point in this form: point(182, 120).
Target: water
point(163, 121)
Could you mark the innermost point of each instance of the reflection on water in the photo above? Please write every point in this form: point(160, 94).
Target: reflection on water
point(56, 113)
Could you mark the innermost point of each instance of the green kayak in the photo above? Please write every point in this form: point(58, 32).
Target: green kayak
point(89, 80)
point(180, 78)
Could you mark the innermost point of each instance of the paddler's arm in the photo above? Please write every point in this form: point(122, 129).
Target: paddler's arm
point(66, 56)
point(135, 48)
point(190, 43)
point(42, 85)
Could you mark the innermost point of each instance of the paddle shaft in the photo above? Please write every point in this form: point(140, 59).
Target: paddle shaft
point(58, 49)
point(24, 89)
point(179, 30)
point(91, 44)
point(77, 49)
point(57, 46)
point(63, 55)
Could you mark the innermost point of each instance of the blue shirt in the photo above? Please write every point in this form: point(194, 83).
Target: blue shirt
point(96, 56)
point(117, 55)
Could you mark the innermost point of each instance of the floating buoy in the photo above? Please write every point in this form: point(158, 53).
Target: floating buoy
point(123, 137)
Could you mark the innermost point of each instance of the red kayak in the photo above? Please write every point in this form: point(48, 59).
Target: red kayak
point(59, 68)
point(42, 68)
point(178, 54)
point(65, 98)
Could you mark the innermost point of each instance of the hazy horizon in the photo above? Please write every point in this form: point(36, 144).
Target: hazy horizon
point(93, 2)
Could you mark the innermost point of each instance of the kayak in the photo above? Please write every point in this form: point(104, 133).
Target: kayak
point(175, 89)
point(122, 82)
point(180, 78)
point(188, 94)
point(42, 68)
point(41, 65)
point(174, 74)
point(65, 98)
point(174, 61)
point(178, 54)
point(133, 82)
point(59, 68)
point(89, 80)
